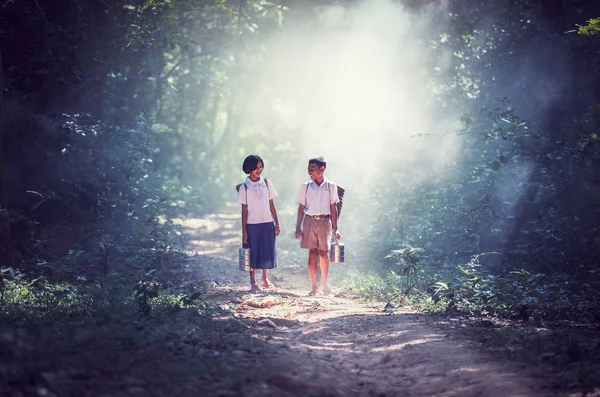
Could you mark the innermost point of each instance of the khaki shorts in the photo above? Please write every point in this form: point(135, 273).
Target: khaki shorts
point(316, 234)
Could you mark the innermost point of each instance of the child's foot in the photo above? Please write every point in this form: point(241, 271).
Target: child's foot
point(255, 288)
point(313, 292)
point(266, 283)
point(327, 291)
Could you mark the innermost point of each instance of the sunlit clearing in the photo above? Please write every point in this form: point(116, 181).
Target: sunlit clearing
point(467, 369)
point(400, 346)
point(324, 348)
point(350, 85)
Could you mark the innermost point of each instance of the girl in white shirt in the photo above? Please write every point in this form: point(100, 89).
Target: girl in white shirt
point(260, 224)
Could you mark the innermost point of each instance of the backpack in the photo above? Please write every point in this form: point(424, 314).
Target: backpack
point(340, 191)
point(339, 204)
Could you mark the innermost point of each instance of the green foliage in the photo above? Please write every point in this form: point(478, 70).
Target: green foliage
point(369, 285)
point(407, 260)
point(109, 186)
point(518, 294)
point(161, 233)
point(40, 300)
point(592, 28)
point(143, 292)
point(105, 334)
point(470, 289)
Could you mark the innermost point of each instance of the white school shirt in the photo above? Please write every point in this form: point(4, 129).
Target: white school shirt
point(259, 194)
point(318, 199)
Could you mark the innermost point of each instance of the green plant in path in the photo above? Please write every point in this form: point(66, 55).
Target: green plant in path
point(160, 237)
point(4, 274)
point(407, 261)
point(471, 289)
point(592, 28)
point(143, 292)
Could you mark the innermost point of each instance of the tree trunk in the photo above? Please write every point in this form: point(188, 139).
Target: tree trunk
point(6, 258)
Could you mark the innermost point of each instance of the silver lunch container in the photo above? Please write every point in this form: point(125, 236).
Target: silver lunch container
point(244, 262)
point(336, 253)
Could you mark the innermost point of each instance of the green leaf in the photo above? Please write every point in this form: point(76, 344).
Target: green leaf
point(592, 28)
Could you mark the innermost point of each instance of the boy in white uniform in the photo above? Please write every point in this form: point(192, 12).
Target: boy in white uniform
point(316, 220)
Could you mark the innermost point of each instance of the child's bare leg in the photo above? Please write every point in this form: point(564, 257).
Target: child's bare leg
point(265, 279)
point(324, 262)
point(253, 280)
point(312, 269)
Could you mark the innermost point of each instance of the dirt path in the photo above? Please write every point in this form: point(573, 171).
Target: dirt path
point(334, 346)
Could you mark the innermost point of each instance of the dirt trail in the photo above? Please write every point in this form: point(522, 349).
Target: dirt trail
point(335, 346)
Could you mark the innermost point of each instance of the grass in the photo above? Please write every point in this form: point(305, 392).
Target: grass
point(389, 287)
point(60, 339)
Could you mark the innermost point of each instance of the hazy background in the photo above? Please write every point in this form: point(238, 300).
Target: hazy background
point(454, 126)
point(349, 84)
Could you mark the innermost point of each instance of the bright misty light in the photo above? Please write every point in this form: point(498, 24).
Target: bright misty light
point(351, 86)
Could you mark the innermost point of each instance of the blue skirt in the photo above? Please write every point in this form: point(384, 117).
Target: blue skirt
point(261, 240)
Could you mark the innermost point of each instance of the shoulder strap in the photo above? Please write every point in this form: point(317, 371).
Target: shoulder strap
point(268, 192)
point(306, 195)
point(246, 188)
point(340, 192)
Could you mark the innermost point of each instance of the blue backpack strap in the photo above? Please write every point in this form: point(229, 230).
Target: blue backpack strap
point(246, 189)
point(306, 195)
point(267, 185)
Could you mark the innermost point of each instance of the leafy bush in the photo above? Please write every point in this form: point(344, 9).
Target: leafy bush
point(519, 294)
point(406, 264)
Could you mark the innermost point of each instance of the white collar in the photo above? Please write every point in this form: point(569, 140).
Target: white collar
point(325, 182)
point(251, 182)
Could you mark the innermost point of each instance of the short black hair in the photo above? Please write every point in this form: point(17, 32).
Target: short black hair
point(251, 163)
point(319, 160)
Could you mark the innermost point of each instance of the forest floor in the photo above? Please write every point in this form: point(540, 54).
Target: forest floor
point(282, 342)
point(337, 346)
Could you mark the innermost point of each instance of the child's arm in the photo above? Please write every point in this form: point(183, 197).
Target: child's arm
point(274, 213)
point(334, 219)
point(244, 223)
point(299, 218)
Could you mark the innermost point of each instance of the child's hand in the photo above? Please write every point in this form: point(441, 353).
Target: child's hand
point(277, 230)
point(337, 235)
point(298, 235)
point(244, 238)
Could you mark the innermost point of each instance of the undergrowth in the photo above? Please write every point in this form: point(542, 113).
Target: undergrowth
point(65, 337)
point(469, 289)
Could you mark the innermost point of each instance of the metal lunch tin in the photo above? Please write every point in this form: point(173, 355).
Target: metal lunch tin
point(336, 253)
point(244, 262)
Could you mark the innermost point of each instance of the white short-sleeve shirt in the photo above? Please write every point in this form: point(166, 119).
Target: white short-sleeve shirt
point(257, 198)
point(317, 199)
